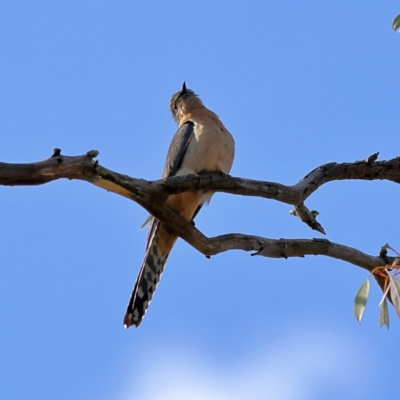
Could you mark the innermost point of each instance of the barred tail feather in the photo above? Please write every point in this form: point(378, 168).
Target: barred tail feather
point(159, 245)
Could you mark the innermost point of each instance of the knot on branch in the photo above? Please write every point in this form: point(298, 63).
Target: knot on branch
point(371, 159)
point(92, 153)
point(56, 152)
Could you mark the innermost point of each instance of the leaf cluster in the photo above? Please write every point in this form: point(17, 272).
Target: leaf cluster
point(391, 289)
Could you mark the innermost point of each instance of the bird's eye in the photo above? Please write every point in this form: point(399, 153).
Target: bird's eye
point(175, 107)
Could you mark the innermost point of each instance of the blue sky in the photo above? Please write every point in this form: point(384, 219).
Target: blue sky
point(298, 84)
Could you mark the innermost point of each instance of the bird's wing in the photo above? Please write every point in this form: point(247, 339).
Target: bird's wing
point(177, 149)
point(175, 155)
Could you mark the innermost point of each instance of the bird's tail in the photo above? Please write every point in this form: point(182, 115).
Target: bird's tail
point(159, 245)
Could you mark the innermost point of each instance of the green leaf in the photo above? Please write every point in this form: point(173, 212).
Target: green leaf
point(384, 314)
point(361, 300)
point(395, 293)
point(396, 23)
point(385, 246)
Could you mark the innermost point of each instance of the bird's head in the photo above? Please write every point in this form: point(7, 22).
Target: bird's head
point(183, 102)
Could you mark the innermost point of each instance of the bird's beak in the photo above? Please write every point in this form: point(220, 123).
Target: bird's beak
point(183, 90)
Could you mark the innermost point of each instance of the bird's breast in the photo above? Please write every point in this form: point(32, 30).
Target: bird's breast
point(211, 148)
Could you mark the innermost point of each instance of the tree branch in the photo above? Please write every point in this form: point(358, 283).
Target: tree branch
point(152, 194)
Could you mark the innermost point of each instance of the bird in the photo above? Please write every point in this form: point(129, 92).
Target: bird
point(201, 144)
